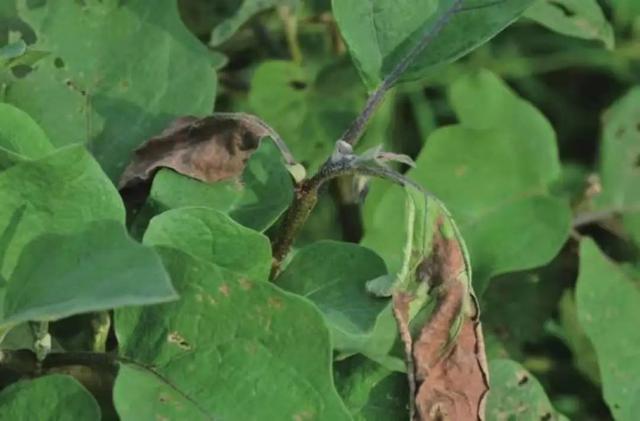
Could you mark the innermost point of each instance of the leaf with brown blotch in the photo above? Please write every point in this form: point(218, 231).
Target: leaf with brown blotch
point(445, 357)
point(208, 149)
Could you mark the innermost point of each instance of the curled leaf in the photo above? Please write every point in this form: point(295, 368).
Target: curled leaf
point(438, 317)
point(208, 149)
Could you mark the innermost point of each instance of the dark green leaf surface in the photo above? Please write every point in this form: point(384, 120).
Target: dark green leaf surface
point(140, 395)
point(333, 275)
point(256, 201)
point(98, 268)
point(380, 33)
point(56, 194)
point(608, 303)
point(517, 395)
point(53, 397)
point(372, 392)
point(241, 349)
point(117, 74)
point(211, 236)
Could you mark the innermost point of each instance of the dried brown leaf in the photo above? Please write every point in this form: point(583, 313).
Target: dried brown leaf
point(446, 363)
point(208, 149)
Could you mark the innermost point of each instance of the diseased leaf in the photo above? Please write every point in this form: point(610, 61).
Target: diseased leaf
point(117, 73)
point(210, 149)
point(333, 275)
point(608, 303)
point(577, 18)
point(47, 398)
point(57, 194)
point(446, 363)
point(256, 200)
point(139, 394)
point(98, 268)
point(381, 33)
point(212, 236)
point(240, 349)
point(517, 395)
point(619, 157)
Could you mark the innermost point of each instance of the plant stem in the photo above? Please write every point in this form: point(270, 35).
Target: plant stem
point(306, 195)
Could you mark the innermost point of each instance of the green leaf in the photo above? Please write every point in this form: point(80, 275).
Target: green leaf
point(619, 159)
point(54, 397)
point(333, 275)
point(211, 236)
point(608, 302)
point(577, 18)
point(140, 394)
point(57, 194)
point(517, 395)
point(240, 349)
point(117, 74)
point(493, 171)
point(381, 33)
point(370, 391)
point(20, 137)
point(264, 193)
point(96, 269)
point(225, 29)
point(310, 111)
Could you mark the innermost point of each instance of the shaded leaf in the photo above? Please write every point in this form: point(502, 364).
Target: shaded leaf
point(608, 303)
point(225, 29)
point(50, 397)
point(139, 394)
point(262, 194)
point(133, 69)
point(309, 109)
point(98, 268)
point(517, 395)
point(333, 275)
point(212, 236)
point(381, 33)
point(577, 18)
point(56, 194)
point(240, 349)
point(370, 391)
point(619, 159)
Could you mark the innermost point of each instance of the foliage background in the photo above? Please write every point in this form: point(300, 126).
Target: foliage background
point(532, 141)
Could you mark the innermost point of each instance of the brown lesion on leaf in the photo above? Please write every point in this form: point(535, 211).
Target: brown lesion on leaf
point(448, 374)
point(177, 339)
point(245, 284)
point(275, 303)
point(224, 290)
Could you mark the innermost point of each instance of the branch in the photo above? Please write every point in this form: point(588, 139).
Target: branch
point(356, 129)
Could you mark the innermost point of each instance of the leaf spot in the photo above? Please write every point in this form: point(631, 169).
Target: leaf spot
point(175, 338)
point(224, 290)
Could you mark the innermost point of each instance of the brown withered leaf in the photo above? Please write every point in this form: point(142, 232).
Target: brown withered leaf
point(446, 363)
point(208, 149)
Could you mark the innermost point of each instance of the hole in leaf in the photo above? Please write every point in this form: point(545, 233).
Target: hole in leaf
point(545, 417)
point(636, 162)
point(58, 62)
point(523, 380)
point(298, 85)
